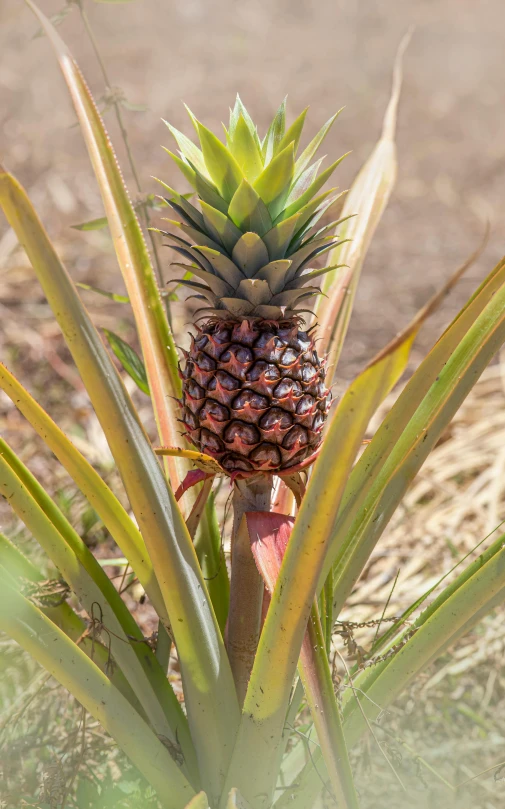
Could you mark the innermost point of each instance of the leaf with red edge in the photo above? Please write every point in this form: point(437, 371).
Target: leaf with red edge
point(269, 535)
point(192, 478)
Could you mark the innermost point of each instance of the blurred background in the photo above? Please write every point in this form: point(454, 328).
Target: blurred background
point(451, 148)
point(321, 53)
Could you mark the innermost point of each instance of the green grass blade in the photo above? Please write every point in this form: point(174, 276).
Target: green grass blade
point(208, 684)
point(97, 594)
point(114, 517)
point(156, 339)
point(26, 624)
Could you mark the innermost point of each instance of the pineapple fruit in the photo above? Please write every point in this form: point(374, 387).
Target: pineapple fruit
point(254, 393)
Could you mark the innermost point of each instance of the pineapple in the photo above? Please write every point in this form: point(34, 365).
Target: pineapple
point(254, 393)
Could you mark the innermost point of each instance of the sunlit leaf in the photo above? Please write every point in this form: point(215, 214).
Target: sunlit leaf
point(129, 359)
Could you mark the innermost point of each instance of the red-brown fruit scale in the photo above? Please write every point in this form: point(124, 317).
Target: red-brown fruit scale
point(254, 396)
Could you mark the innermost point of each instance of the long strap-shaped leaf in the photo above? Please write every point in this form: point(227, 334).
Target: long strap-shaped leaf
point(98, 595)
point(209, 691)
point(156, 339)
point(365, 204)
point(277, 657)
point(114, 517)
point(269, 535)
point(24, 622)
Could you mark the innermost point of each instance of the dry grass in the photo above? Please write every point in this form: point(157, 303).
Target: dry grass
point(453, 717)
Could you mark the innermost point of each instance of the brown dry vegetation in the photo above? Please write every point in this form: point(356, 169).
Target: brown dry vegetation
point(451, 178)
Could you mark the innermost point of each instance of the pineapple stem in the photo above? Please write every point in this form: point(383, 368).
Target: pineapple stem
point(246, 585)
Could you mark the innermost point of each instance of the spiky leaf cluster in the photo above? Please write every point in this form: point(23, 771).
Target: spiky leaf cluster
point(251, 244)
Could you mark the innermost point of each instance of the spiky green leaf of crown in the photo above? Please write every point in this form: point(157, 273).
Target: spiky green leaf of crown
point(251, 244)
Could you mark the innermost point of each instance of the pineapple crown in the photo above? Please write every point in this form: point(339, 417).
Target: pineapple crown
point(254, 237)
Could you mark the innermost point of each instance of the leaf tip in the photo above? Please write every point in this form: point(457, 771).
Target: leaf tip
point(389, 125)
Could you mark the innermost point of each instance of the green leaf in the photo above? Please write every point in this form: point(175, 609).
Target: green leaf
point(220, 226)
point(416, 421)
point(278, 238)
point(274, 135)
point(93, 224)
point(240, 110)
point(21, 570)
point(205, 189)
point(113, 296)
point(222, 166)
point(244, 148)
point(248, 211)
point(294, 132)
point(304, 181)
point(477, 590)
point(222, 265)
point(275, 272)
point(250, 254)
point(273, 183)
point(307, 155)
point(129, 359)
point(313, 188)
point(197, 237)
point(190, 151)
point(210, 551)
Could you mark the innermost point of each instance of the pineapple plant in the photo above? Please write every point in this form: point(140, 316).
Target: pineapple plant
point(254, 652)
point(254, 392)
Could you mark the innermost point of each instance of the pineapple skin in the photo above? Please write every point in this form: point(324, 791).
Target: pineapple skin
point(254, 396)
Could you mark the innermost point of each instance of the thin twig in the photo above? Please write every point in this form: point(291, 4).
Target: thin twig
point(354, 691)
point(419, 758)
point(386, 605)
point(483, 772)
point(307, 741)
